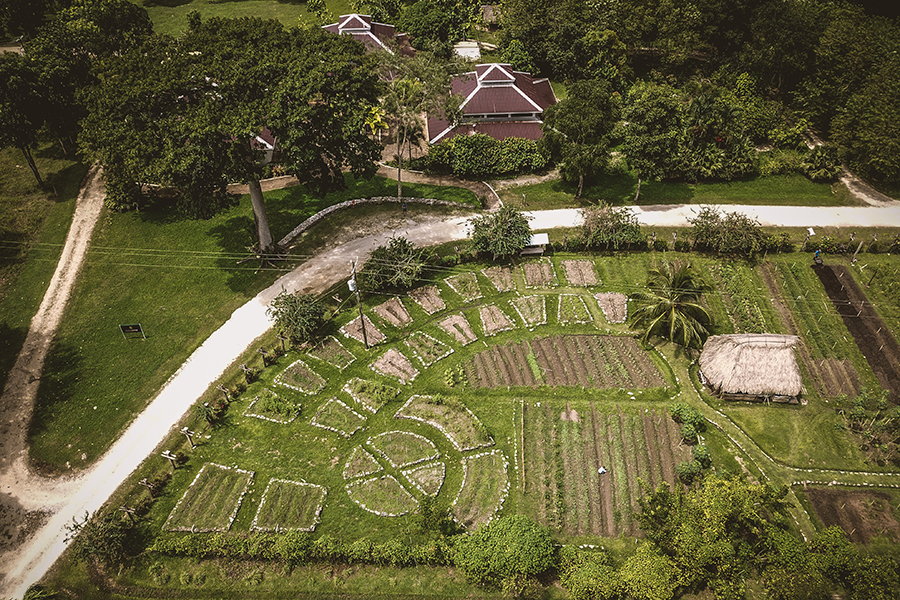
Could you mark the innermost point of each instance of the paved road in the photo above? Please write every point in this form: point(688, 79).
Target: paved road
point(249, 322)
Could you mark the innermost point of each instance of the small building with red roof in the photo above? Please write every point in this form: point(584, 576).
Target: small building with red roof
point(374, 35)
point(498, 102)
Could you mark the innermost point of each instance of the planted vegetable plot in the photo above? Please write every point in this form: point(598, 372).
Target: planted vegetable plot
point(595, 361)
point(466, 285)
point(565, 448)
point(572, 309)
point(333, 352)
point(300, 377)
point(501, 278)
point(531, 309)
point(454, 420)
point(427, 349)
point(212, 500)
point(403, 448)
point(371, 395)
point(580, 272)
point(269, 406)
point(289, 505)
point(338, 417)
point(539, 274)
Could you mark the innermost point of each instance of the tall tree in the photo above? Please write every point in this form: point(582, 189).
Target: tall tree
point(503, 233)
point(21, 107)
point(580, 126)
point(653, 116)
point(671, 308)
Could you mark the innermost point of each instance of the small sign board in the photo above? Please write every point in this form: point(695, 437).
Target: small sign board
point(132, 329)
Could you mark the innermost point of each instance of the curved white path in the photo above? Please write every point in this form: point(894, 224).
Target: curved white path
point(222, 348)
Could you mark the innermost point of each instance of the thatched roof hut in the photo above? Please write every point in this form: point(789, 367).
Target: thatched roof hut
point(752, 366)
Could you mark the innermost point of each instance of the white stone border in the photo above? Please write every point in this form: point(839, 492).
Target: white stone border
point(315, 423)
point(350, 393)
point(449, 282)
point(318, 511)
point(437, 343)
point(371, 443)
point(512, 322)
point(234, 513)
point(438, 426)
point(528, 325)
point(559, 306)
point(403, 382)
point(367, 473)
point(354, 484)
point(551, 284)
point(279, 380)
point(407, 473)
point(247, 412)
point(338, 342)
point(503, 495)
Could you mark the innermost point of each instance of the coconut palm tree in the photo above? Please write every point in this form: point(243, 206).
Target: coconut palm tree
point(671, 307)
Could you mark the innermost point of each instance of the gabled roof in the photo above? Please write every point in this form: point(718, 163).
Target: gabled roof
point(753, 364)
point(497, 101)
point(372, 34)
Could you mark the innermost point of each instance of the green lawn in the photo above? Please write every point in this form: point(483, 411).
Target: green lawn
point(170, 16)
point(620, 189)
point(33, 227)
point(181, 280)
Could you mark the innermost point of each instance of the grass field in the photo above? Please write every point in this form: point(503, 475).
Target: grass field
point(180, 279)
point(620, 189)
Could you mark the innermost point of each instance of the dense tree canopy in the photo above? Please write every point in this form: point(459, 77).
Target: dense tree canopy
point(503, 233)
point(297, 316)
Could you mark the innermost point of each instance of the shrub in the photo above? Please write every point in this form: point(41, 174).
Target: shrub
point(682, 246)
point(480, 156)
point(660, 245)
point(610, 227)
point(780, 162)
point(298, 316)
point(702, 455)
point(395, 265)
point(689, 434)
point(688, 471)
point(822, 163)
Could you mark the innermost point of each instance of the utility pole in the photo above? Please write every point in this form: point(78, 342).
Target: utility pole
point(355, 288)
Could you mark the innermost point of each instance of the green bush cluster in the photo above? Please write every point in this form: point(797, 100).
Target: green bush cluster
point(480, 156)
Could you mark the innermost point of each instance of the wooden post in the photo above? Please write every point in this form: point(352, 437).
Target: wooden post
point(171, 457)
point(128, 511)
point(354, 287)
point(224, 390)
point(188, 434)
point(147, 485)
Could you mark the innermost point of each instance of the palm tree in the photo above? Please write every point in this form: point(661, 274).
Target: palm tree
point(671, 307)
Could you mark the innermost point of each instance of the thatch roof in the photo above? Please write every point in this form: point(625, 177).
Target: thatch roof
point(750, 363)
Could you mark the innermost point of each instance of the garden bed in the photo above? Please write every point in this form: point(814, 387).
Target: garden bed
point(428, 479)
point(403, 448)
point(383, 496)
point(394, 364)
point(494, 320)
point(298, 376)
point(290, 505)
point(427, 349)
point(354, 329)
point(466, 285)
point(360, 464)
point(458, 326)
point(331, 351)
point(429, 298)
point(271, 407)
point(862, 514)
point(501, 278)
point(532, 310)
point(371, 395)
point(484, 489)
point(336, 416)
point(539, 274)
point(614, 306)
point(580, 272)
point(211, 501)
point(393, 312)
point(455, 421)
point(572, 310)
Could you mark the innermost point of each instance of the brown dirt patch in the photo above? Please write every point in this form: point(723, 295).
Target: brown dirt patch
point(493, 320)
point(501, 278)
point(354, 329)
point(393, 312)
point(394, 364)
point(458, 327)
point(429, 298)
point(868, 329)
point(580, 272)
point(538, 274)
point(614, 306)
point(862, 514)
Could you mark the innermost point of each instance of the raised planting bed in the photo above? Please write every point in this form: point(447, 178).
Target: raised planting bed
point(580, 272)
point(614, 306)
point(572, 310)
point(494, 320)
point(501, 278)
point(503, 366)
point(211, 501)
point(429, 298)
point(371, 395)
point(289, 505)
point(454, 420)
point(269, 406)
point(360, 464)
point(393, 312)
point(427, 349)
point(354, 329)
point(394, 364)
point(298, 376)
point(331, 351)
point(427, 478)
point(484, 489)
point(532, 310)
point(539, 274)
point(458, 327)
point(466, 285)
point(383, 496)
point(336, 416)
point(403, 448)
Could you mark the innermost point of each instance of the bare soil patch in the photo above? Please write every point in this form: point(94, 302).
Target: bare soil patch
point(393, 312)
point(429, 298)
point(493, 320)
point(869, 330)
point(614, 306)
point(394, 364)
point(862, 515)
point(539, 274)
point(458, 327)
point(580, 272)
point(501, 277)
point(354, 329)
